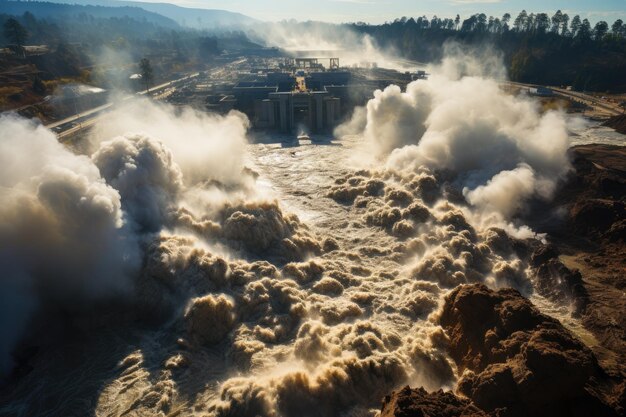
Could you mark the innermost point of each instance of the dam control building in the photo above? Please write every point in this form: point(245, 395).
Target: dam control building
point(296, 94)
point(308, 98)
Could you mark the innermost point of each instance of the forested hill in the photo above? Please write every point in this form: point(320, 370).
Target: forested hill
point(537, 48)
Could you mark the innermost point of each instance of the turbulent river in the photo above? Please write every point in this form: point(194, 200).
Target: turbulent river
point(593, 132)
point(327, 336)
point(190, 268)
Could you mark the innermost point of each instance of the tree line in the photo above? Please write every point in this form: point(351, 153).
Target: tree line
point(535, 47)
point(559, 23)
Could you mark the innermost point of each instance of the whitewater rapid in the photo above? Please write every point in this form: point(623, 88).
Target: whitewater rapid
point(237, 274)
point(339, 330)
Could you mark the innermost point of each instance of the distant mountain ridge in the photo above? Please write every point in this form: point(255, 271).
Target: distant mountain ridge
point(184, 16)
point(193, 17)
point(57, 10)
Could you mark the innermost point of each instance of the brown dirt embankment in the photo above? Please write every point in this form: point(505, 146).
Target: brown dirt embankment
point(592, 240)
point(618, 123)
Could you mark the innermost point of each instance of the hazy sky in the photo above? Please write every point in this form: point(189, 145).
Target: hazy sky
point(378, 11)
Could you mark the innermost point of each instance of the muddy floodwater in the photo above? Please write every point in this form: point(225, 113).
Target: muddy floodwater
point(318, 292)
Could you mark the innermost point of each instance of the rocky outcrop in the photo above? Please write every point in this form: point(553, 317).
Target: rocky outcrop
point(600, 219)
point(596, 193)
point(516, 361)
point(409, 402)
point(513, 361)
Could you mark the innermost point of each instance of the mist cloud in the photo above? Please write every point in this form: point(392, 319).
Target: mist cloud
point(204, 146)
point(62, 236)
point(340, 41)
point(460, 120)
point(71, 225)
point(142, 169)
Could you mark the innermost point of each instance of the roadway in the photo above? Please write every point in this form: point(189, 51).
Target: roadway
point(611, 108)
point(592, 101)
point(87, 118)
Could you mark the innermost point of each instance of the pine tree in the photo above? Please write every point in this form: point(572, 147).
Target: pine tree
point(16, 34)
point(147, 74)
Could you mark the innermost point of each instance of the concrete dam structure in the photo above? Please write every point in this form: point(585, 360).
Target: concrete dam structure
point(286, 102)
point(315, 111)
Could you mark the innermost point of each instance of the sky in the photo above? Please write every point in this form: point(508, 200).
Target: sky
point(379, 11)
